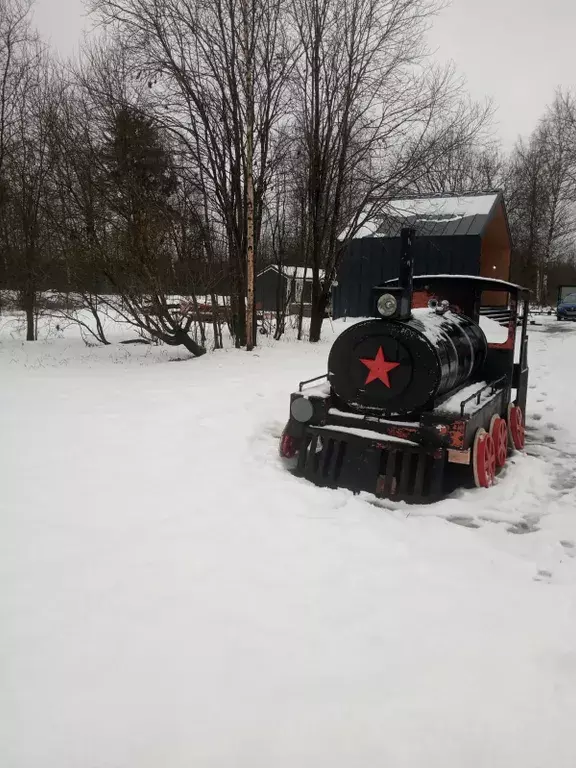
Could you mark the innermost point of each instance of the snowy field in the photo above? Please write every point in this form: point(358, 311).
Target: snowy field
point(171, 598)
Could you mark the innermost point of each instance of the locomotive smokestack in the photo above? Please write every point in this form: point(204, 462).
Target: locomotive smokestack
point(395, 302)
point(405, 275)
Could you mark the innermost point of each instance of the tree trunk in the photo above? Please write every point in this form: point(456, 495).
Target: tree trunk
point(181, 338)
point(92, 304)
point(28, 302)
point(250, 303)
point(318, 308)
point(100, 330)
point(540, 284)
point(250, 319)
point(301, 311)
point(216, 327)
point(238, 309)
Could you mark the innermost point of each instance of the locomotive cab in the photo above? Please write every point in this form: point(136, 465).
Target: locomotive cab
point(434, 382)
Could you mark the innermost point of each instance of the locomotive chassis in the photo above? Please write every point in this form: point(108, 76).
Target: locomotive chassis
point(392, 458)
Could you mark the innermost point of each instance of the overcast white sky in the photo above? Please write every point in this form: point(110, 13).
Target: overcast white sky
point(515, 51)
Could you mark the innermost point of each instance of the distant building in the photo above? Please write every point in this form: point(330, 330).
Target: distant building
point(458, 235)
point(277, 288)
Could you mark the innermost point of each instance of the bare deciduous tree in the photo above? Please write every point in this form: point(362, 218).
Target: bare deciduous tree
point(16, 43)
point(372, 116)
point(466, 169)
point(27, 167)
point(120, 207)
point(541, 190)
point(218, 70)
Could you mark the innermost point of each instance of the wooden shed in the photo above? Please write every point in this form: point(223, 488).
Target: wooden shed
point(457, 235)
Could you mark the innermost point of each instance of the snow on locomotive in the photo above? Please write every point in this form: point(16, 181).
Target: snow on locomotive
point(418, 399)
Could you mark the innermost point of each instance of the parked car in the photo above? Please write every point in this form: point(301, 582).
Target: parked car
point(566, 309)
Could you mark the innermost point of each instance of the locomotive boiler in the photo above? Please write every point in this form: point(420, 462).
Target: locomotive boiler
point(414, 361)
point(422, 396)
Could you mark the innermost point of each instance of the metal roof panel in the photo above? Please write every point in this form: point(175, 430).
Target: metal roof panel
point(430, 216)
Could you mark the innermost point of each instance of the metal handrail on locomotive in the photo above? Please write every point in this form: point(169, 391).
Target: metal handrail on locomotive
point(417, 400)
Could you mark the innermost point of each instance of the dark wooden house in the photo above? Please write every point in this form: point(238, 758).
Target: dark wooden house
point(467, 235)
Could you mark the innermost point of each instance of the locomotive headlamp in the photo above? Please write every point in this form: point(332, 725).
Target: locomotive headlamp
point(302, 409)
point(387, 305)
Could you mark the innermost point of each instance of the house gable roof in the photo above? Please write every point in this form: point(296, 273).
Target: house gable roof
point(432, 216)
point(299, 273)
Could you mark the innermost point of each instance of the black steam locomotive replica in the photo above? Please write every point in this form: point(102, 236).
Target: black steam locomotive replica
point(418, 400)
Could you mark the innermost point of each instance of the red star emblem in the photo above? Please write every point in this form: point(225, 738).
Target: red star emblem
point(379, 368)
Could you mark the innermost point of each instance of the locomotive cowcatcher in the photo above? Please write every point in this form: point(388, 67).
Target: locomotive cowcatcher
point(419, 399)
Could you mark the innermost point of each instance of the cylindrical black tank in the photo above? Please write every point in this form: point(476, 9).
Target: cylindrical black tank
point(401, 366)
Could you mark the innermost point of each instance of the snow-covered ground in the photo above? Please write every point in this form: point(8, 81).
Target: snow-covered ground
point(171, 598)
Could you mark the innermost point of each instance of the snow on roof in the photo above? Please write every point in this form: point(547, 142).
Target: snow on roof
point(429, 215)
point(302, 273)
point(443, 207)
point(481, 278)
point(299, 273)
point(368, 228)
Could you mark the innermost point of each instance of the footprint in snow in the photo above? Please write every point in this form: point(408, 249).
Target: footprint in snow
point(525, 526)
point(568, 547)
point(543, 575)
point(564, 481)
point(465, 522)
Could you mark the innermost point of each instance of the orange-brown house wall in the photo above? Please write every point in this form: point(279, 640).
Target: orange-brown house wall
point(495, 256)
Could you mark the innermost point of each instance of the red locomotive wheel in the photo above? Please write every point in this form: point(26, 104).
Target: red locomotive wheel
point(483, 459)
point(288, 449)
point(516, 426)
point(499, 434)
